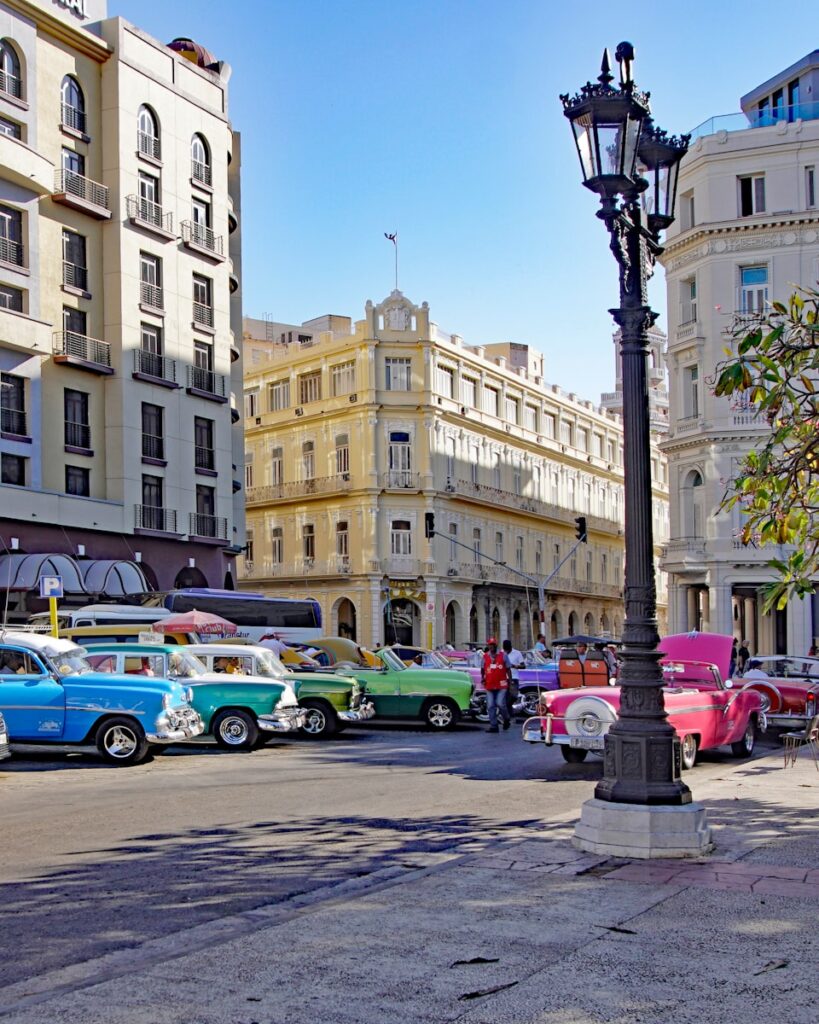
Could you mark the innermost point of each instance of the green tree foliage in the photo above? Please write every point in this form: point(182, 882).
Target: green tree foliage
point(772, 369)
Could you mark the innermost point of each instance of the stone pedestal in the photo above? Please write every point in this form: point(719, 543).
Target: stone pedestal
point(640, 831)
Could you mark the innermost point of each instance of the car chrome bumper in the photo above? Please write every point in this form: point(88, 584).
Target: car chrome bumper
point(364, 711)
point(534, 731)
point(288, 721)
point(4, 747)
point(783, 721)
point(184, 732)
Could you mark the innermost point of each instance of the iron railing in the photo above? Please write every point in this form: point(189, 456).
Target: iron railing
point(206, 380)
point(401, 478)
point(73, 184)
point(77, 435)
point(69, 343)
point(149, 213)
point(73, 117)
point(154, 365)
point(298, 488)
point(203, 314)
point(201, 235)
point(201, 172)
point(148, 145)
point(13, 421)
point(203, 525)
point(75, 276)
point(151, 295)
point(11, 85)
point(204, 458)
point(154, 517)
point(11, 251)
point(153, 446)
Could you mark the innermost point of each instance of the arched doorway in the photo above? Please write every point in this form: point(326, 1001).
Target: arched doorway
point(400, 616)
point(450, 623)
point(347, 619)
point(496, 624)
point(588, 624)
point(473, 625)
point(556, 625)
point(517, 632)
point(573, 623)
point(605, 624)
point(190, 576)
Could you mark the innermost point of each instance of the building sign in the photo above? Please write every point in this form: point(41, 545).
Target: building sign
point(406, 588)
point(77, 7)
point(51, 586)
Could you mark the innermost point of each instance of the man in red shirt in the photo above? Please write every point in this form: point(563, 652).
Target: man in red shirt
point(496, 674)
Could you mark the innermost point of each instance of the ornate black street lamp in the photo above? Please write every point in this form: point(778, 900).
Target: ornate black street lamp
point(633, 166)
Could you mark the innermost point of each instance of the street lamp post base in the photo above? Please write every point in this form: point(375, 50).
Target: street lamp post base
point(643, 832)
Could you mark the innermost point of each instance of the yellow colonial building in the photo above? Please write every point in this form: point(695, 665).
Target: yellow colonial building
point(356, 435)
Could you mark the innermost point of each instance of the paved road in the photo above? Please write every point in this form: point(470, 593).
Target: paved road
point(95, 859)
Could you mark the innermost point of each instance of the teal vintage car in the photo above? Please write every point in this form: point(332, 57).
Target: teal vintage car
point(329, 701)
point(239, 712)
point(436, 697)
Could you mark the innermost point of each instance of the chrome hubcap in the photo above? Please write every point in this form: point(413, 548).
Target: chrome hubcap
point(315, 721)
point(120, 742)
point(439, 715)
point(233, 731)
point(689, 749)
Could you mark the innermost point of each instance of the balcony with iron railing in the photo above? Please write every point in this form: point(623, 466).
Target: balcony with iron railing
point(77, 435)
point(147, 214)
point(81, 193)
point(205, 525)
point(11, 251)
point(82, 352)
point(523, 503)
point(202, 315)
point(151, 295)
point(154, 517)
point(13, 421)
point(73, 118)
point(159, 368)
point(11, 85)
point(201, 173)
point(206, 383)
point(75, 276)
point(204, 458)
point(316, 486)
point(202, 239)
point(149, 145)
point(400, 480)
point(153, 447)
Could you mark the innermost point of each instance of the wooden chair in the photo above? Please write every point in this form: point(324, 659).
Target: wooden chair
point(794, 741)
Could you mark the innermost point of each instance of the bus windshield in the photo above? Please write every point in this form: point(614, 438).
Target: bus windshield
point(293, 620)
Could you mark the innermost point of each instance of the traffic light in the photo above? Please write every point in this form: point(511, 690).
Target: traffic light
point(580, 529)
point(429, 524)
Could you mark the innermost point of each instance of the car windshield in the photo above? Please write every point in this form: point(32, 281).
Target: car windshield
point(71, 663)
point(391, 660)
point(267, 664)
point(432, 659)
point(534, 658)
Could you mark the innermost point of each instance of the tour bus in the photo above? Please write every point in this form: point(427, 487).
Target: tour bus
point(293, 619)
point(100, 615)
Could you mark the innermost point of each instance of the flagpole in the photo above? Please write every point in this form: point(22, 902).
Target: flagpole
point(394, 239)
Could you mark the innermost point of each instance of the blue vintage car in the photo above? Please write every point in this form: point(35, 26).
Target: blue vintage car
point(49, 694)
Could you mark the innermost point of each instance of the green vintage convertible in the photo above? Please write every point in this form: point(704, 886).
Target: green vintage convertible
point(239, 712)
point(437, 697)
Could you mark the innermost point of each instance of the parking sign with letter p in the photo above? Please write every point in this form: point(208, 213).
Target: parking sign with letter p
point(51, 586)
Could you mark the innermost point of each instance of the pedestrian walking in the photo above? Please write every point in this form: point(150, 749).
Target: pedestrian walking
point(743, 656)
point(516, 662)
point(495, 675)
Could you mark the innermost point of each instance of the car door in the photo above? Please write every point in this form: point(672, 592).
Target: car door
point(31, 699)
point(384, 689)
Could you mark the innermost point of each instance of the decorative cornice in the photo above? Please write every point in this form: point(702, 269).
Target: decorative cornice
point(76, 37)
point(713, 240)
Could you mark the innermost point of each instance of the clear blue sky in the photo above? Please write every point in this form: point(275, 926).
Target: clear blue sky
point(440, 119)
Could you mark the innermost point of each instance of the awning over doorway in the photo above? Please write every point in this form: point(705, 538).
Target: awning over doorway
point(22, 572)
point(113, 577)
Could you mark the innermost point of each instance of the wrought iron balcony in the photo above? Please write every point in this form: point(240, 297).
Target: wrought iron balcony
point(203, 525)
point(204, 458)
point(143, 211)
point(153, 517)
point(153, 365)
point(82, 193)
point(151, 295)
point(75, 276)
point(77, 435)
point(153, 447)
point(400, 479)
point(201, 172)
point(207, 381)
point(298, 489)
point(202, 237)
point(68, 345)
point(11, 85)
point(149, 145)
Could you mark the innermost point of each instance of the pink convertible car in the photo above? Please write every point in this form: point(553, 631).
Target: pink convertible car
point(705, 710)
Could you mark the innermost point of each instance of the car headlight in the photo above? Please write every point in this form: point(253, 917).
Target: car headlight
point(166, 700)
point(189, 695)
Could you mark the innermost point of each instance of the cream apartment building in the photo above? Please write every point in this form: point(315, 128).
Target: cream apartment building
point(355, 434)
point(119, 299)
point(746, 232)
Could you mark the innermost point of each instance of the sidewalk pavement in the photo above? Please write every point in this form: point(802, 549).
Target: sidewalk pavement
point(529, 931)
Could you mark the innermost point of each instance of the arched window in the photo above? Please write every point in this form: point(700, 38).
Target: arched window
point(200, 160)
point(11, 81)
point(148, 133)
point(73, 104)
point(693, 505)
